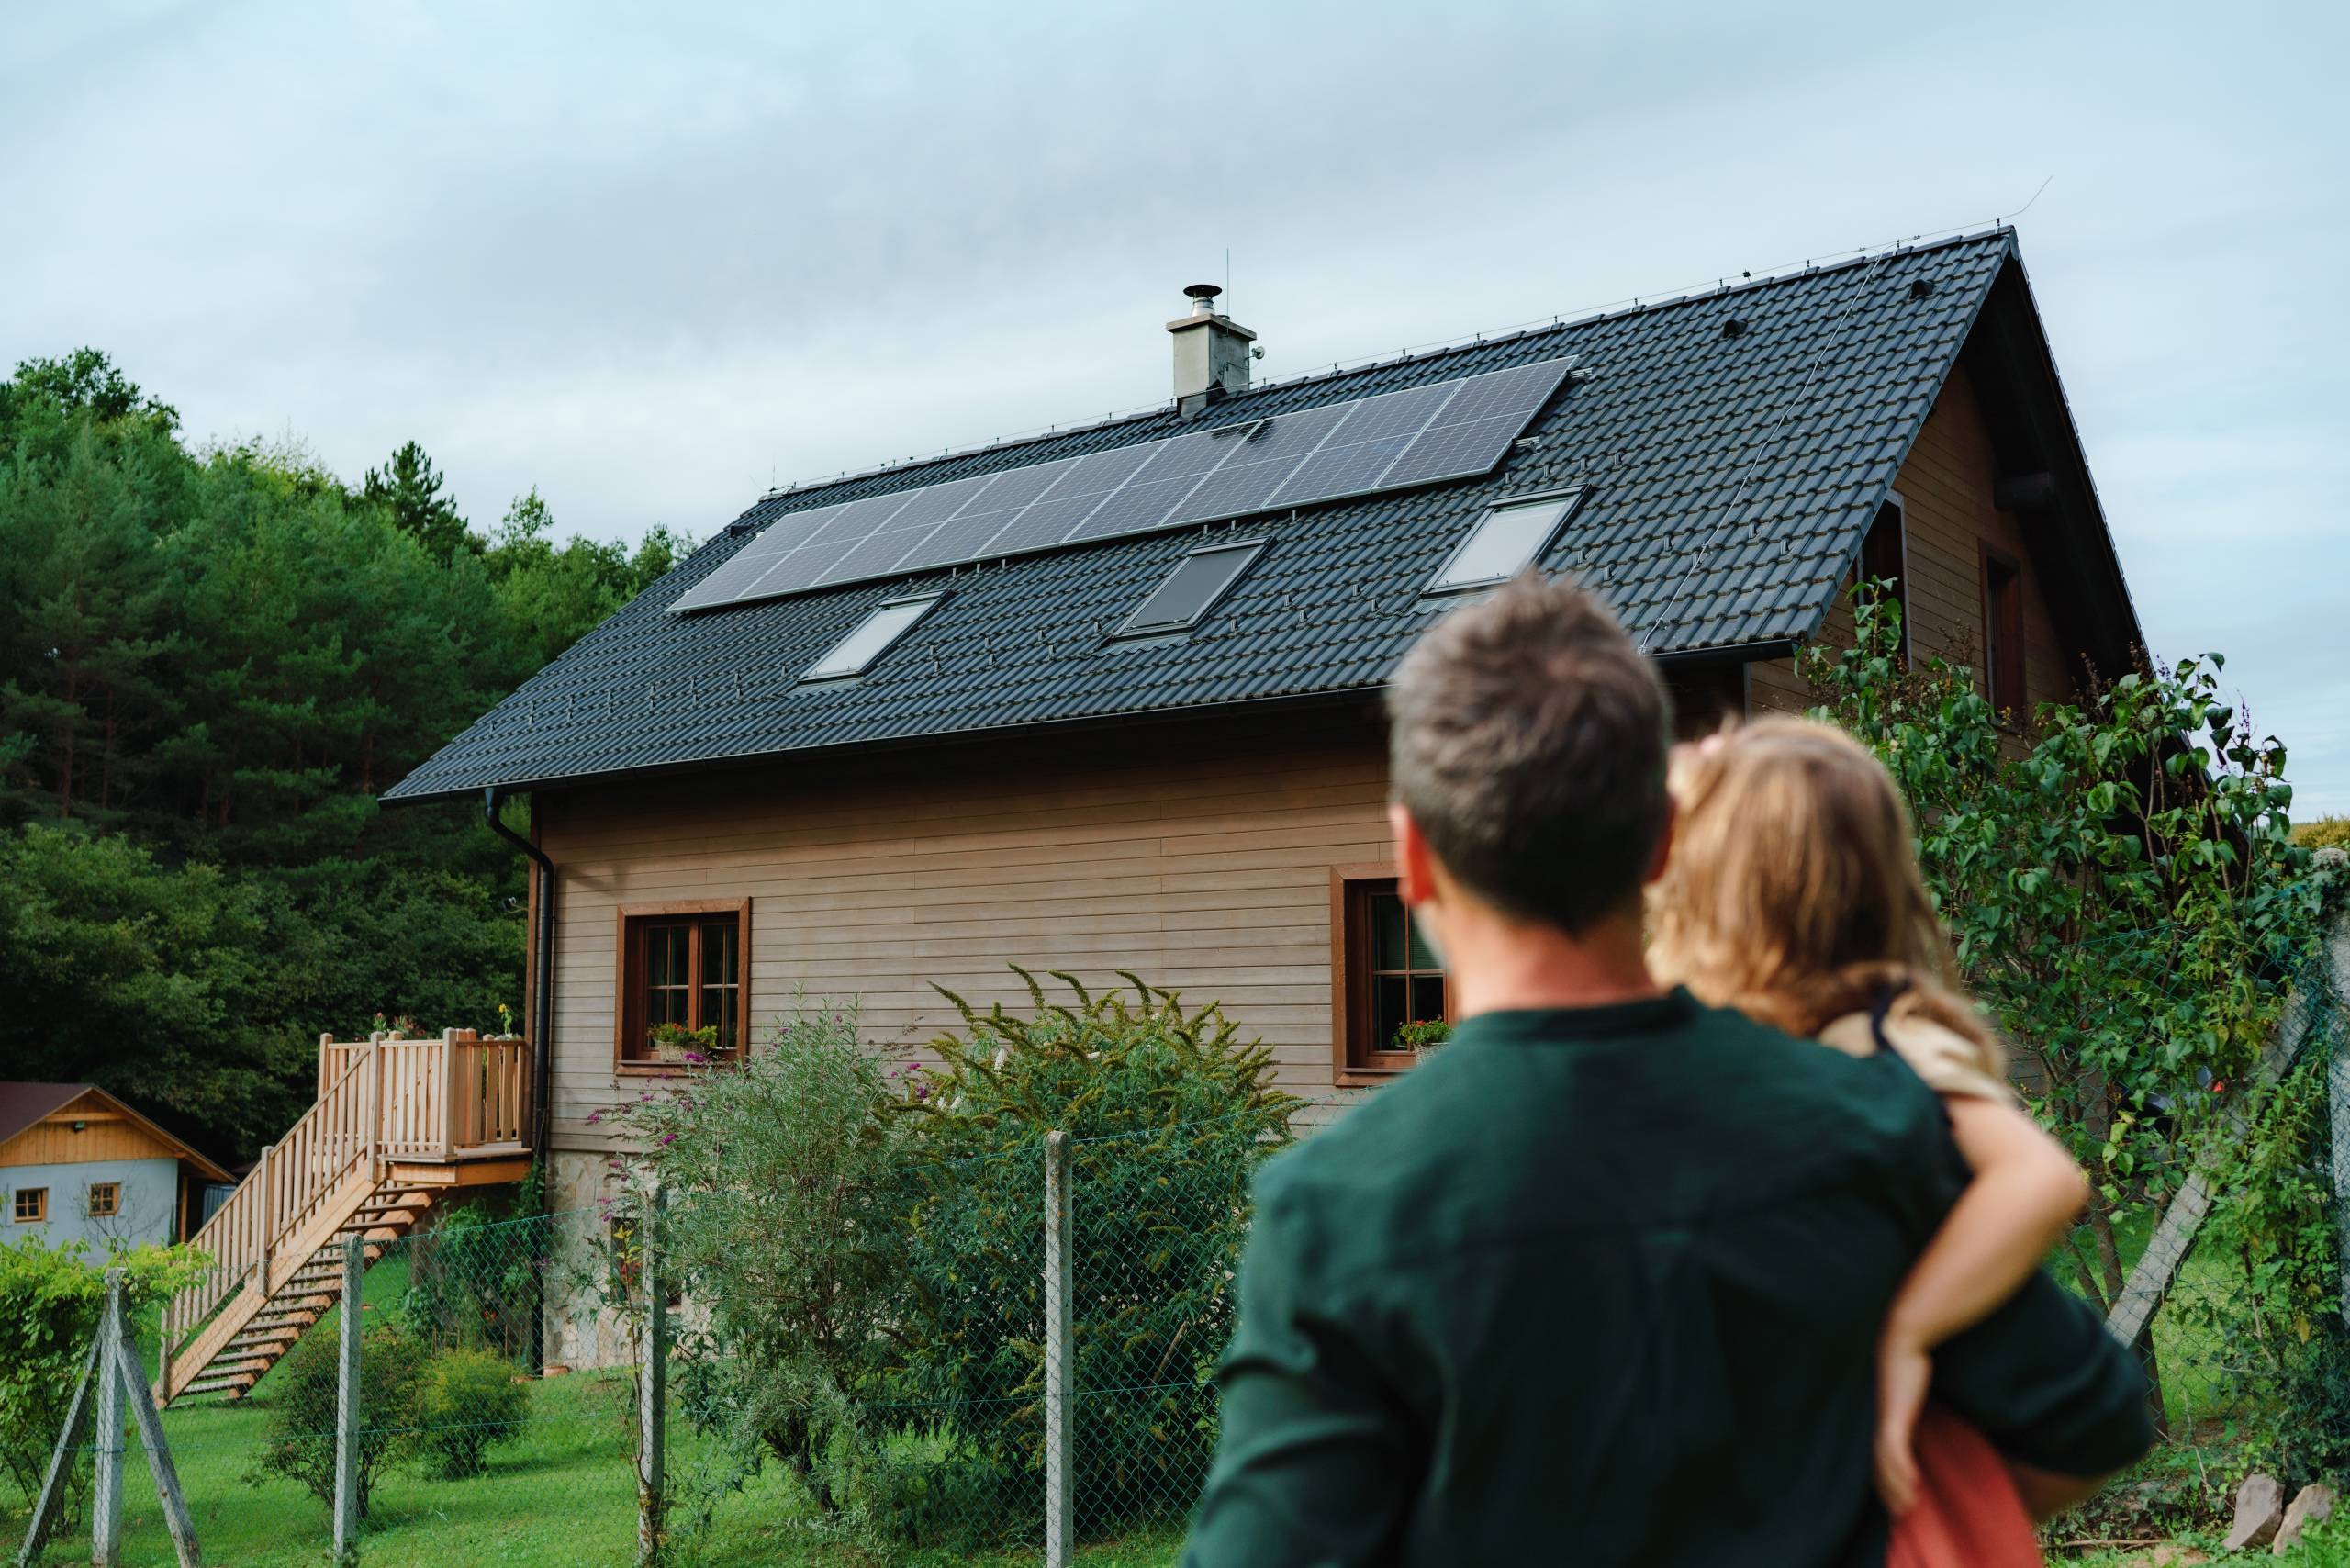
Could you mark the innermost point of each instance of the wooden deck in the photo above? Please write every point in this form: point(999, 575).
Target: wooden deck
point(397, 1121)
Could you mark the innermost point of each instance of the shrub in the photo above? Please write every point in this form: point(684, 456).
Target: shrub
point(298, 1440)
point(51, 1299)
point(2325, 833)
point(786, 1226)
point(467, 1403)
point(471, 1282)
point(1170, 1114)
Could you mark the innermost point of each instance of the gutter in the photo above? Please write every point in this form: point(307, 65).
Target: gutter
point(542, 983)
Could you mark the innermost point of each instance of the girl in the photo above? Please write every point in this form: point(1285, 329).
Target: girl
point(1794, 895)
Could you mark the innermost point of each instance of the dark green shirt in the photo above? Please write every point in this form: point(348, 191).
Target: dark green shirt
point(1602, 1286)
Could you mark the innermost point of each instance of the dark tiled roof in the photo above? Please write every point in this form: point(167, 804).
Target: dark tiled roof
point(1731, 477)
point(22, 1103)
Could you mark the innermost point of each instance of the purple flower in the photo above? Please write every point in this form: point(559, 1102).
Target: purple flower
point(921, 1091)
point(696, 1056)
point(668, 1139)
point(594, 1117)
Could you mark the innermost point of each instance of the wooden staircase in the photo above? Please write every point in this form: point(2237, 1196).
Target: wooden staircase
point(397, 1123)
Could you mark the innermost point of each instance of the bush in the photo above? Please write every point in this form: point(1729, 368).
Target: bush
point(471, 1282)
point(51, 1299)
point(467, 1403)
point(2325, 833)
point(298, 1440)
point(1170, 1114)
point(788, 1177)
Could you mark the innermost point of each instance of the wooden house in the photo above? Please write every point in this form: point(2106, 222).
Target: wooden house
point(1109, 697)
point(77, 1164)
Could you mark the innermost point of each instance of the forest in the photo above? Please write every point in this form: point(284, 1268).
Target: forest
point(213, 659)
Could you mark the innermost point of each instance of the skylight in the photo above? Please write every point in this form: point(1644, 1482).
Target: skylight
point(1192, 590)
point(1505, 541)
point(854, 654)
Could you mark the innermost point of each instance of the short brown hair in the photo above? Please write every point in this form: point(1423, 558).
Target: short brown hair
point(1527, 738)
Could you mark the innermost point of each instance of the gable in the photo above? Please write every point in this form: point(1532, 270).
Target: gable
point(109, 1132)
point(1729, 448)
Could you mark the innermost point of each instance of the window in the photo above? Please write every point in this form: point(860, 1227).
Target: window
point(682, 990)
point(1884, 558)
point(105, 1199)
point(854, 654)
point(2003, 630)
point(1504, 540)
point(32, 1206)
point(1387, 975)
point(1199, 580)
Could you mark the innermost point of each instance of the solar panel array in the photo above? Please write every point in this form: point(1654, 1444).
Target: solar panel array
point(1449, 430)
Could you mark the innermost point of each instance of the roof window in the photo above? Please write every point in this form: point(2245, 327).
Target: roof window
point(875, 636)
point(1505, 540)
point(1199, 580)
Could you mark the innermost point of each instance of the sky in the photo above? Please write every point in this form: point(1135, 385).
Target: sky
point(652, 260)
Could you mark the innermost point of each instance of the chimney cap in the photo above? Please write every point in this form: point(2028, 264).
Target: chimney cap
point(1202, 292)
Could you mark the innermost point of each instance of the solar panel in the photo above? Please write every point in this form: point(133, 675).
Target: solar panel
point(1422, 435)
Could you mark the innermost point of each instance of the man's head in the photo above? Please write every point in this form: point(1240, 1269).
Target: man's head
point(1527, 752)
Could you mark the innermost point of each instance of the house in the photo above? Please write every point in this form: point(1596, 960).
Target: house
point(77, 1164)
point(1108, 697)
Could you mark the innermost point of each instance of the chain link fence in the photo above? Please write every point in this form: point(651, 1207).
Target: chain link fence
point(1041, 1389)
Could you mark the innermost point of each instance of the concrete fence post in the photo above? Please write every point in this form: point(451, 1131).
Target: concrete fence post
point(1061, 1509)
point(652, 1385)
point(347, 1412)
point(2334, 998)
point(105, 1501)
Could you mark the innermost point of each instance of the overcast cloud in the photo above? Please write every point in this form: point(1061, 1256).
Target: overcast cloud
point(652, 262)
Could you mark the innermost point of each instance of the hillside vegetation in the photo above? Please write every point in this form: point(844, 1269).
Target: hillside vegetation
point(212, 660)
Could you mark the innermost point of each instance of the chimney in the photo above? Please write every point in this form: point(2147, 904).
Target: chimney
point(1211, 352)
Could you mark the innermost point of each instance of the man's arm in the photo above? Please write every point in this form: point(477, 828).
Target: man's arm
point(1314, 1463)
point(2052, 1389)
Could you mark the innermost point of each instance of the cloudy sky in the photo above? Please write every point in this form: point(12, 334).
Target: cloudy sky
point(651, 260)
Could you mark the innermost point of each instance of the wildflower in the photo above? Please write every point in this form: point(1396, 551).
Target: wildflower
point(594, 1117)
point(668, 1139)
point(696, 1057)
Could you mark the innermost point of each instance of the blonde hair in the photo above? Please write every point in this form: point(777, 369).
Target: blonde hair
point(1793, 893)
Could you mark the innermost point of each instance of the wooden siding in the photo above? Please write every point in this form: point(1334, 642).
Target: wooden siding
point(108, 1135)
point(1945, 488)
point(1198, 856)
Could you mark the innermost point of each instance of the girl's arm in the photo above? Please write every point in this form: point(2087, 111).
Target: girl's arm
point(2024, 1196)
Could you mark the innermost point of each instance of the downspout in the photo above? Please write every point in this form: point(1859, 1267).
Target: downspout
point(541, 1039)
point(542, 983)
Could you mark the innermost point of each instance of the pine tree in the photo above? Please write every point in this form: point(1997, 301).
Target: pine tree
point(411, 488)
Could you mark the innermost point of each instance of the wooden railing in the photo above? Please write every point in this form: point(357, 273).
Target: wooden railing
point(381, 1099)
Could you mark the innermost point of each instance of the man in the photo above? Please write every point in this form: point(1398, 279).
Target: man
point(1599, 1282)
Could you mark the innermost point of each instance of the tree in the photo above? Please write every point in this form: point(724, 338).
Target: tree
point(85, 379)
point(408, 487)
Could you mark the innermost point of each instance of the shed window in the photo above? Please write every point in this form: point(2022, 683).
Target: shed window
point(1199, 580)
point(105, 1199)
point(1388, 976)
point(854, 654)
point(2003, 632)
point(1506, 539)
point(684, 998)
point(32, 1206)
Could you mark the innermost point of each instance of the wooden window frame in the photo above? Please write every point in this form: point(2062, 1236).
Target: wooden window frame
point(113, 1191)
point(2003, 635)
point(39, 1205)
point(1900, 510)
point(628, 975)
point(1350, 977)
